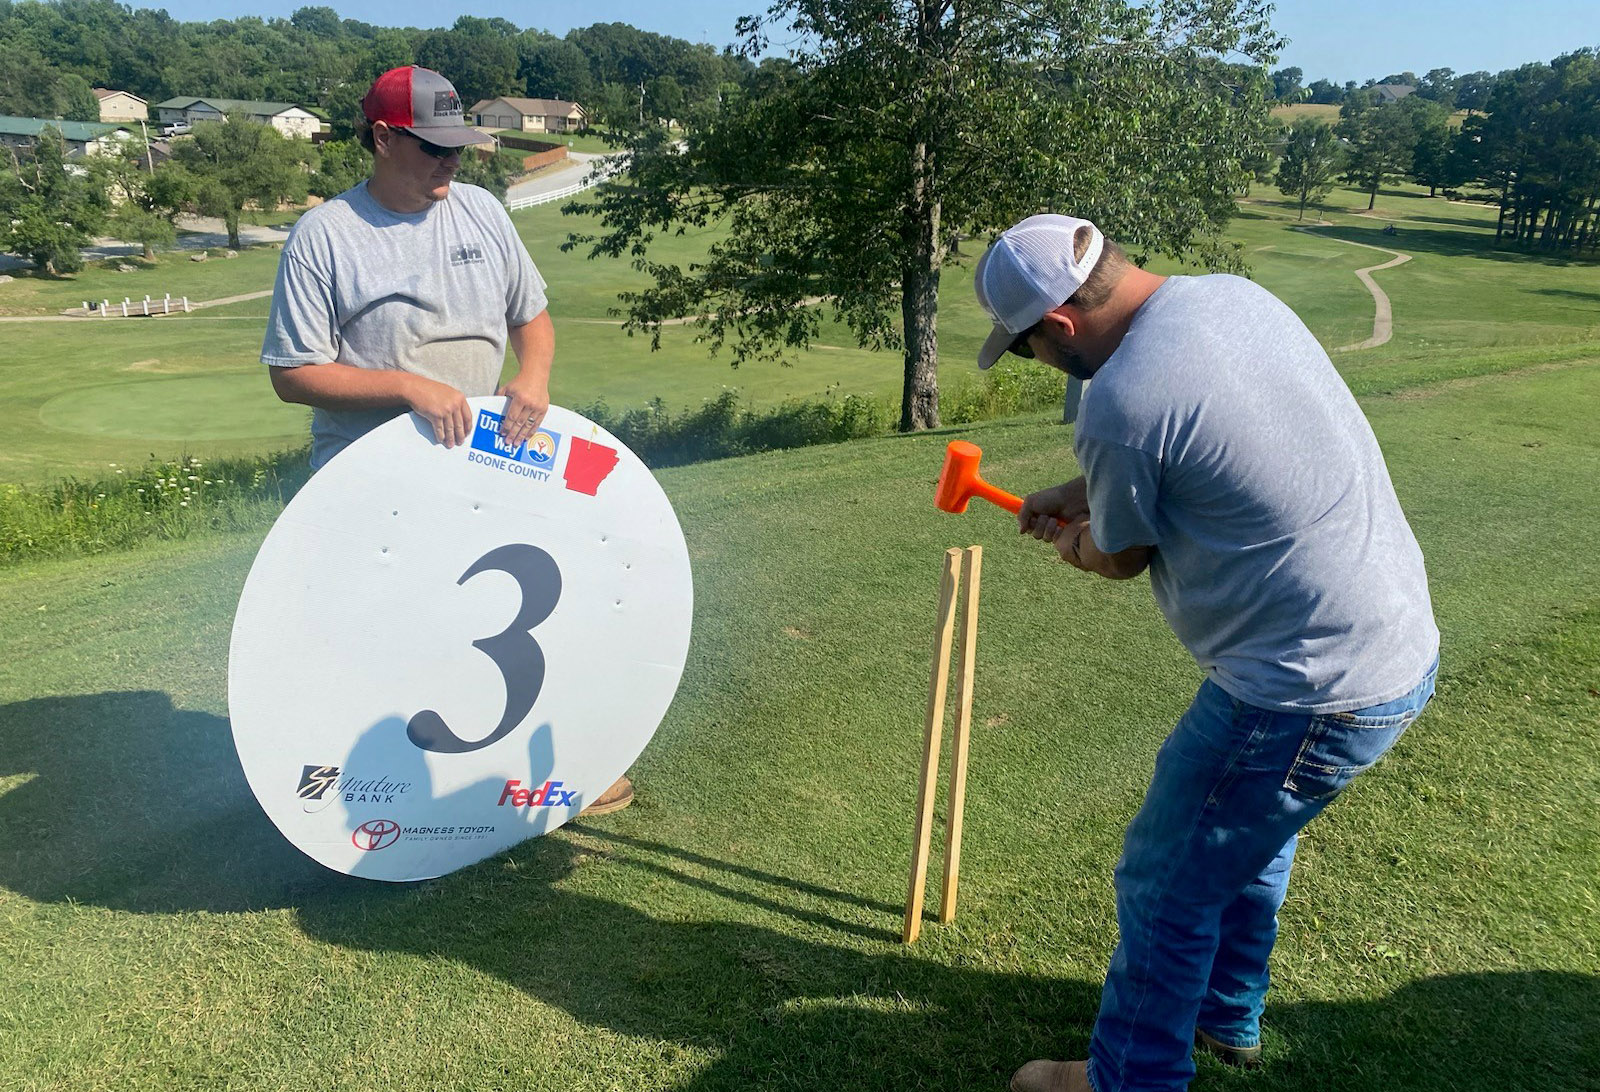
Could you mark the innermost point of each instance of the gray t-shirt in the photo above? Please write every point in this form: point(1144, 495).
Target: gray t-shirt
point(431, 292)
point(1220, 434)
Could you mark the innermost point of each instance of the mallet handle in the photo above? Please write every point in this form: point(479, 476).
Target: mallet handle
point(994, 495)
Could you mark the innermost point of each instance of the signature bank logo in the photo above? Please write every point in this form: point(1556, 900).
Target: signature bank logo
point(320, 786)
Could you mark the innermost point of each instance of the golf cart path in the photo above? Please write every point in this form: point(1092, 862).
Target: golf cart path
point(77, 314)
point(1382, 313)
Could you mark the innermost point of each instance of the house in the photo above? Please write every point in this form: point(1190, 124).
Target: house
point(120, 105)
point(1392, 92)
point(530, 115)
point(83, 137)
point(286, 117)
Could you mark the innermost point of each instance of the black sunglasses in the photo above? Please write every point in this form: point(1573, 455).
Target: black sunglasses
point(1020, 346)
point(437, 151)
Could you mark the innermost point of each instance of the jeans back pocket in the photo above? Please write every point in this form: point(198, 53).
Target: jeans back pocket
point(1338, 746)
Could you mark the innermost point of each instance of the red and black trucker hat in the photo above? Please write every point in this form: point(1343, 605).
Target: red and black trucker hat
point(424, 104)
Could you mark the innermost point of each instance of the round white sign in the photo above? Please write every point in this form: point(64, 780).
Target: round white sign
point(442, 652)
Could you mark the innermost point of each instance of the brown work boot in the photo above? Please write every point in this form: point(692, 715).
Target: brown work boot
point(617, 797)
point(1043, 1076)
point(1242, 1057)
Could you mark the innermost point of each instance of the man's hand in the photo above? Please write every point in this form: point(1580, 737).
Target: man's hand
point(444, 407)
point(527, 400)
point(1046, 513)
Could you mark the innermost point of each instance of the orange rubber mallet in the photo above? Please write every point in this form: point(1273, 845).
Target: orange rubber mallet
point(959, 481)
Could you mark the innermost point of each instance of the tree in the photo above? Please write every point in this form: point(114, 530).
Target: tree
point(612, 103)
point(1379, 140)
point(145, 204)
point(238, 161)
point(664, 99)
point(74, 99)
point(552, 68)
point(340, 165)
point(1431, 154)
point(488, 171)
point(1310, 163)
point(1324, 92)
point(481, 62)
point(1439, 86)
point(907, 122)
point(1539, 146)
point(1286, 84)
point(48, 211)
point(1473, 89)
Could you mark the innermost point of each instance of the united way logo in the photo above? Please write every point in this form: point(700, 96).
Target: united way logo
point(375, 834)
point(533, 459)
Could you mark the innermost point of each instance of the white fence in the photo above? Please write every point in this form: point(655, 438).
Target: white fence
point(515, 203)
point(598, 173)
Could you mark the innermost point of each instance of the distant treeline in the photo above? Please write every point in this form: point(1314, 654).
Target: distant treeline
point(1468, 91)
point(1532, 141)
point(52, 53)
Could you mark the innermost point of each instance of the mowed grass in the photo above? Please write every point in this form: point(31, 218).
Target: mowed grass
point(737, 928)
point(88, 393)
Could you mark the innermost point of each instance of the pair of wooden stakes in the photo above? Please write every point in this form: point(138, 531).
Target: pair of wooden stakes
point(958, 483)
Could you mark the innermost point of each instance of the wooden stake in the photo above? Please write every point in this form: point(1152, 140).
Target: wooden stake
point(934, 729)
point(955, 802)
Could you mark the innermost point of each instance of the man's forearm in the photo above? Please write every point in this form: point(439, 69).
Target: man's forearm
point(338, 386)
point(1084, 554)
point(534, 343)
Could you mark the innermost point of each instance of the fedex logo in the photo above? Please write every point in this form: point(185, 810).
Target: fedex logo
point(548, 795)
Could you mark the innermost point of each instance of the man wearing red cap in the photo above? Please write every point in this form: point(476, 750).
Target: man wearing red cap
point(402, 292)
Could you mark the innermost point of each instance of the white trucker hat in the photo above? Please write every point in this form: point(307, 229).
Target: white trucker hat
point(1029, 271)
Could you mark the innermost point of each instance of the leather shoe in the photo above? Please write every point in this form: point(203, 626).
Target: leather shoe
point(617, 797)
point(1046, 1076)
point(1242, 1057)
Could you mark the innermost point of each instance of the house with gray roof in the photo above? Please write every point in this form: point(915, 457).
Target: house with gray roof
point(286, 117)
point(83, 137)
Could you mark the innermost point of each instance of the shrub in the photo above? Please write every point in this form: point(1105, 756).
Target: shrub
point(162, 500)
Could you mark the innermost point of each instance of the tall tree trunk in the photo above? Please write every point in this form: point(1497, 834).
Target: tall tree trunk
point(1373, 199)
point(919, 302)
point(232, 222)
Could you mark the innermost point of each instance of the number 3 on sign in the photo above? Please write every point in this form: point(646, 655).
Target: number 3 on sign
point(513, 649)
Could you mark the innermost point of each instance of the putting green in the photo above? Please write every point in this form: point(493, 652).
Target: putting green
point(187, 409)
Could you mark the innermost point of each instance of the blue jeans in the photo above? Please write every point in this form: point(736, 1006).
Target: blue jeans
point(1204, 868)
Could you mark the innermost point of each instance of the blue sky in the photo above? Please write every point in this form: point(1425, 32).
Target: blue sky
point(1339, 40)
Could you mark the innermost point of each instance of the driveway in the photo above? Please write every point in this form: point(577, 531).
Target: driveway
point(204, 233)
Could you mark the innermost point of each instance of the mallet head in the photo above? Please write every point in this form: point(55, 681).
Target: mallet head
point(959, 481)
point(957, 478)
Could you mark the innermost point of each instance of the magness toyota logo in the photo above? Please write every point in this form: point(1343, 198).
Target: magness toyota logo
point(375, 834)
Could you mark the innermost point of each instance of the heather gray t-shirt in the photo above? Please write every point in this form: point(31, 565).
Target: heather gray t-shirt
point(1220, 434)
point(431, 292)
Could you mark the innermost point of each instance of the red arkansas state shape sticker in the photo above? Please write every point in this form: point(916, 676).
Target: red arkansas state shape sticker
point(440, 652)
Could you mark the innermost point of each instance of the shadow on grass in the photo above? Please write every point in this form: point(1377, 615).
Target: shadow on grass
point(133, 804)
point(137, 805)
point(1449, 244)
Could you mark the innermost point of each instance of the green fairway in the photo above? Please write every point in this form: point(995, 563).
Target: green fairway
point(737, 927)
point(1460, 309)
